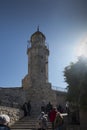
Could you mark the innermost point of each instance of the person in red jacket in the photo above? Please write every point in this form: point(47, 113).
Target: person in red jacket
point(52, 116)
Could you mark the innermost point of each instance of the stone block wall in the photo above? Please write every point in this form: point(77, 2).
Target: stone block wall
point(12, 97)
point(37, 93)
point(61, 99)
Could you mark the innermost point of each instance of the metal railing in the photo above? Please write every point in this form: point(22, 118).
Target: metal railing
point(59, 88)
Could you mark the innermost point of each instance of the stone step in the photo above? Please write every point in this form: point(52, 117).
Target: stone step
point(26, 126)
point(21, 129)
point(27, 123)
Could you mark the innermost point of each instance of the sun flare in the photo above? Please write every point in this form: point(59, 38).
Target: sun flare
point(82, 48)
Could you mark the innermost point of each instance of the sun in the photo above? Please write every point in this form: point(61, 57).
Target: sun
point(82, 48)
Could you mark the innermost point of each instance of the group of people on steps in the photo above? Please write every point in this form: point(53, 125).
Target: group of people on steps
point(50, 113)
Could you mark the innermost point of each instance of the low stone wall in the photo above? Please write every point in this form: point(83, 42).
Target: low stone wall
point(14, 113)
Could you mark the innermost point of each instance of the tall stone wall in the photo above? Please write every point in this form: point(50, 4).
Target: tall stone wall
point(13, 97)
point(39, 92)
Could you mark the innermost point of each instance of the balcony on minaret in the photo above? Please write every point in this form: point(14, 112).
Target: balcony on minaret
point(37, 40)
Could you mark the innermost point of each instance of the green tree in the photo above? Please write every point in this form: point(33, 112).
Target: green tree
point(76, 77)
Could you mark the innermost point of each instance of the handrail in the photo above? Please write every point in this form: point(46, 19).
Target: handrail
point(59, 88)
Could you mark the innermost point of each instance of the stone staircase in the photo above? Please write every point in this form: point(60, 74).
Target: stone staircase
point(30, 123)
point(27, 123)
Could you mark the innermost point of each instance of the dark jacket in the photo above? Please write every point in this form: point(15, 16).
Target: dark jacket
point(4, 127)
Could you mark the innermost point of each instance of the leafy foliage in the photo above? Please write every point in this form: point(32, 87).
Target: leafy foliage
point(76, 77)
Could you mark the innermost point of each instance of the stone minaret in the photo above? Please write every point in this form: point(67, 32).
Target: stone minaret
point(38, 53)
point(38, 58)
point(35, 83)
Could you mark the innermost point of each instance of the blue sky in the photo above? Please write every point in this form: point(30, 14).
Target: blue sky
point(64, 23)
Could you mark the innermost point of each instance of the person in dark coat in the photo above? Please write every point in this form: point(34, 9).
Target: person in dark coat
point(43, 106)
point(29, 108)
point(25, 109)
point(49, 107)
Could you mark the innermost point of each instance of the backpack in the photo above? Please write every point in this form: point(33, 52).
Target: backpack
point(59, 121)
point(43, 122)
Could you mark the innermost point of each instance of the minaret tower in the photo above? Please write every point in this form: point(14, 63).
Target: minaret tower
point(38, 58)
point(35, 84)
point(38, 53)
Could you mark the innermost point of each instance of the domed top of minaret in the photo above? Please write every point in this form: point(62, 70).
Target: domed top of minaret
point(37, 36)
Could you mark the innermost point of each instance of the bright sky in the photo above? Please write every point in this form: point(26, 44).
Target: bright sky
point(64, 23)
